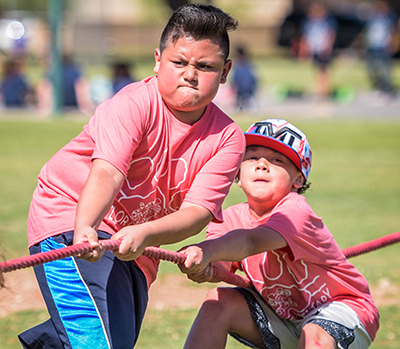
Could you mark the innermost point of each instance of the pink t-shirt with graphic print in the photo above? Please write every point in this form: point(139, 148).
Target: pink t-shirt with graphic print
point(310, 271)
point(164, 161)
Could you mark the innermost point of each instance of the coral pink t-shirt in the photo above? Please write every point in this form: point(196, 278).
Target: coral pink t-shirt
point(165, 162)
point(310, 271)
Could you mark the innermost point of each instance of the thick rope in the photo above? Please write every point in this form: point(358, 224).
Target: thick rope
point(112, 245)
point(372, 245)
point(175, 257)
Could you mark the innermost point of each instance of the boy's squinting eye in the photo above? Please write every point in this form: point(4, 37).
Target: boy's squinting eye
point(204, 67)
point(178, 63)
point(250, 157)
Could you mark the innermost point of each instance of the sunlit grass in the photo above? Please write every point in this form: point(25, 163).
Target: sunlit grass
point(354, 189)
point(16, 323)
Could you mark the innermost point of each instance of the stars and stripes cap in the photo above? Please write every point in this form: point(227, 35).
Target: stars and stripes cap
point(283, 137)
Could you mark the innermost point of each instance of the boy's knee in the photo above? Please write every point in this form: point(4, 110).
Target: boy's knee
point(212, 294)
point(223, 295)
point(314, 336)
point(223, 300)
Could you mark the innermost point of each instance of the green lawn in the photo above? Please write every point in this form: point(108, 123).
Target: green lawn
point(355, 189)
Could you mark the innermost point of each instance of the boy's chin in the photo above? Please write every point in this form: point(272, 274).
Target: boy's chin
point(189, 107)
point(187, 115)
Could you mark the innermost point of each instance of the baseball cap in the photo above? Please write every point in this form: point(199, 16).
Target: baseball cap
point(284, 138)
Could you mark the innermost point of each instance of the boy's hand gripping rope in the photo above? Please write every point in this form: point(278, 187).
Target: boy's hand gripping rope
point(175, 257)
point(113, 245)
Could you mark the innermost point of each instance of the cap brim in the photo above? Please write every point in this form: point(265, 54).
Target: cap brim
point(275, 144)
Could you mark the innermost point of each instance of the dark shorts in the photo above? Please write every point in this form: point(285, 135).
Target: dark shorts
point(322, 61)
point(337, 319)
point(91, 304)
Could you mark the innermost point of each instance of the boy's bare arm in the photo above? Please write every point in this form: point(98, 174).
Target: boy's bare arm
point(189, 220)
point(234, 246)
point(103, 183)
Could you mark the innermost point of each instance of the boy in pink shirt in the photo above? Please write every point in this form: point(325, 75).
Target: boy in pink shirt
point(306, 294)
point(152, 167)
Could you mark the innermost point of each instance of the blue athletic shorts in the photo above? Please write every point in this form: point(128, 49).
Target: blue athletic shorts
point(91, 304)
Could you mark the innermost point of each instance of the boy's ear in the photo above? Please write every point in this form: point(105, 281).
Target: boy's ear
point(157, 57)
point(225, 71)
point(299, 181)
point(238, 179)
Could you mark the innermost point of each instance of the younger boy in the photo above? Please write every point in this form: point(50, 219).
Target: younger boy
point(306, 294)
point(152, 167)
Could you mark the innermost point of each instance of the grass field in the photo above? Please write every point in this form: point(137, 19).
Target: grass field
point(355, 188)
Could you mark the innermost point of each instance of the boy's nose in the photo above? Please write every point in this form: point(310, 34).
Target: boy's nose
point(190, 73)
point(262, 165)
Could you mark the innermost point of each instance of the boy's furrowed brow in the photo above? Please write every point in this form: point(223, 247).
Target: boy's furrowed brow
point(206, 62)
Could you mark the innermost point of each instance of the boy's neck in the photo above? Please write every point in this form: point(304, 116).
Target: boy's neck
point(260, 213)
point(188, 117)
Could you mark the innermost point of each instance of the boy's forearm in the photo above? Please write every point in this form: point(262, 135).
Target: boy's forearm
point(189, 220)
point(98, 195)
point(231, 247)
point(241, 243)
point(235, 246)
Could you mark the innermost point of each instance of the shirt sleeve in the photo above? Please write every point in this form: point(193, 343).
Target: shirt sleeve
point(213, 181)
point(304, 232)
point(117, 129)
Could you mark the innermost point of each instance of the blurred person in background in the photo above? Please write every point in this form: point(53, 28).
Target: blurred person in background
point(317, 41)
point(121, 76)
point(1, 274)
point(14, 87)
point(244, 81)
point(75, 90)
point(380, 45)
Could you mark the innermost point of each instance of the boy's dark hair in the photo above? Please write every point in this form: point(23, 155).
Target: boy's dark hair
point(304, 188)
point(199, 22)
